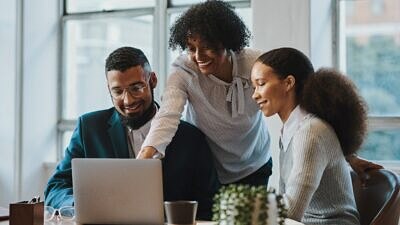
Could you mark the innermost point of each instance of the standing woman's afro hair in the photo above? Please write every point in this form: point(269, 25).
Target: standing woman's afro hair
point(334, 98)
point(215, 22)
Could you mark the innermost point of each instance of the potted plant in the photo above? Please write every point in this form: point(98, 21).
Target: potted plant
point(248, 205)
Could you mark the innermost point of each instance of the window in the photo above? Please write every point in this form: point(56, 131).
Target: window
point(91, 29)
point(369, 52)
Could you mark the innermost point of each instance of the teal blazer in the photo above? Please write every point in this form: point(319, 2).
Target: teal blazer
point(188, 169)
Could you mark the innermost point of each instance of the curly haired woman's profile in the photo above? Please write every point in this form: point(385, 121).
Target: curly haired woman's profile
point(324, 119)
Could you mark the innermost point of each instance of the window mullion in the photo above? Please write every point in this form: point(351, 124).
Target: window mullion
point(383, 123)
point(113, 13)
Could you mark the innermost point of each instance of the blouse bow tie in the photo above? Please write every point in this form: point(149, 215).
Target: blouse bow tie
point(236, 95)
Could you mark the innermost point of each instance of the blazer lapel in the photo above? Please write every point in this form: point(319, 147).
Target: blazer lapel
point(118, 136)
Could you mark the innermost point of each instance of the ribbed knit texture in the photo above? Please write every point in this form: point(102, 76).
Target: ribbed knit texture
point(225, 112)
point(315, 176)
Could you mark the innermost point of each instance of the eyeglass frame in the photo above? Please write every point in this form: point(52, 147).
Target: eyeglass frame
point(129, 90)
point(57, 213)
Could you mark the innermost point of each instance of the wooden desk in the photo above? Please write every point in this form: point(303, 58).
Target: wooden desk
point(287, 222)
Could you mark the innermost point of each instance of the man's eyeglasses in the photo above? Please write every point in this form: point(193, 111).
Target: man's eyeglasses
point(135, 90)
point(63, 213)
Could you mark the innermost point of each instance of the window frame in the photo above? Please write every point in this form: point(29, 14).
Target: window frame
point(375, 123)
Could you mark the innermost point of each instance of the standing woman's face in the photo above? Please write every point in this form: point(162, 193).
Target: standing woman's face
point(270, 91)
point(208, 60)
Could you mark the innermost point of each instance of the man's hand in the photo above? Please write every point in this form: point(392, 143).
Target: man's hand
point(360, 166)
point(147, 153)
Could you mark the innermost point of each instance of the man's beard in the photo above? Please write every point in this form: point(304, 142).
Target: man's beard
point(138, 121)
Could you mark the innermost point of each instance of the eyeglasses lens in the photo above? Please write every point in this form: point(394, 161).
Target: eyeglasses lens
point(67, 213)
point(64, 213)
point(48, 213)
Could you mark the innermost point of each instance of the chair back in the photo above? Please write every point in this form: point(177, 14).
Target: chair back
point(378, 199)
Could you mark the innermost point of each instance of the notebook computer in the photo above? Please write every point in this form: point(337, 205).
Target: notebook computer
point(118, 191)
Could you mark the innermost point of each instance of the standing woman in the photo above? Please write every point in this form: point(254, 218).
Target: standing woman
point(324, 120)
point(213, 79)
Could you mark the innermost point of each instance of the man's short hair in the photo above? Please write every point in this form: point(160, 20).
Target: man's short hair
point(124, 58)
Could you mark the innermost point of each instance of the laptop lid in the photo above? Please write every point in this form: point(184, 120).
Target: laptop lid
point(118, 191)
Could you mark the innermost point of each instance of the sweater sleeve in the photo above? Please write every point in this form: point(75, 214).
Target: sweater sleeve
point(309, 162)
point(166, 121)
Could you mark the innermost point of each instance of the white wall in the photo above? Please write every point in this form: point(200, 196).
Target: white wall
point(7, 99)
point(321, 33)
point(283, 23)
point(39, 92)
point(302, 24)
point(25, 176)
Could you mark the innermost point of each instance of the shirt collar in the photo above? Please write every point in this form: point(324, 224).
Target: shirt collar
point(144, 130)
point(291, 125)
point(136, 136)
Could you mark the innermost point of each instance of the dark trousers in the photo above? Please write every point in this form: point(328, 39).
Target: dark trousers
point(260, 177)
point(189, 174)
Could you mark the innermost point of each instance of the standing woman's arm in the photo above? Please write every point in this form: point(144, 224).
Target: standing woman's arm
point(166, 121)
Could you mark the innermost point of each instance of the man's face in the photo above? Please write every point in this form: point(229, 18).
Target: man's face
point(131, 90)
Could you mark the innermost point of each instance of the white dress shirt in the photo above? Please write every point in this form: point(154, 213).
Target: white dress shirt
point(136, 138)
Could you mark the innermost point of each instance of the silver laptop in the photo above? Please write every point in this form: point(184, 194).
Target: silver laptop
point(118, 191)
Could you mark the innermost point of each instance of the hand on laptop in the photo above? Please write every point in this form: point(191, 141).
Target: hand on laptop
point(147, 153)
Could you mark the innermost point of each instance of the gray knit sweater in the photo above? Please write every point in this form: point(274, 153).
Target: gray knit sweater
point(315, 177)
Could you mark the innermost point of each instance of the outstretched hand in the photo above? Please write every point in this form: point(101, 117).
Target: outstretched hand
point(361, 166)
point(147, 153)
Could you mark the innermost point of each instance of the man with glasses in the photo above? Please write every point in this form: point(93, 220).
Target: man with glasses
point(118, 132)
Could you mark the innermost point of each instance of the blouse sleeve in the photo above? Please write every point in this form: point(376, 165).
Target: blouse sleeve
point(309, 162)
point(166, 121)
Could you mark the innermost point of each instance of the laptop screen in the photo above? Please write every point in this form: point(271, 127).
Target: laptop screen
point(118, 191)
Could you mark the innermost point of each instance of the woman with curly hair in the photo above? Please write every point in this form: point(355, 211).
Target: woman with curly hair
point(213, 79)
point(324, 120)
